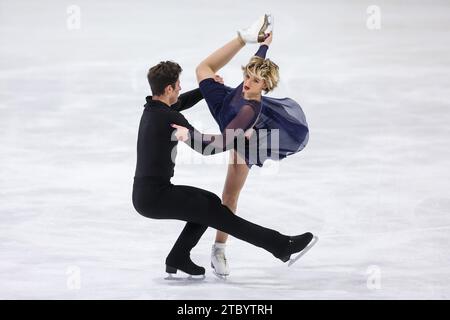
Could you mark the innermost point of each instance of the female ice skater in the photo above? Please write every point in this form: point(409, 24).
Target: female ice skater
point(244, 108)
point(154, 196)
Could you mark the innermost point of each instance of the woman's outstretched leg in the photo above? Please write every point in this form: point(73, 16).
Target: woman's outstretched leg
point(219, 58)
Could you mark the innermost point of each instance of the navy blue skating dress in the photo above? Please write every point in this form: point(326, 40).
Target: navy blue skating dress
point(280, 127)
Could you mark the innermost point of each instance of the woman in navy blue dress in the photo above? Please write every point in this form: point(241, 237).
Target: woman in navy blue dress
point(244, 108)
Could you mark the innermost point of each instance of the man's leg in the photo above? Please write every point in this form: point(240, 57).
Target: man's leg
point(188, 239)
point(179, 256)
point(205, 208)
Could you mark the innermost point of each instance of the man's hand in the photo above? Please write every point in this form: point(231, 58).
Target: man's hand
point(218, 79)
point(248, 134)
point(182, 133)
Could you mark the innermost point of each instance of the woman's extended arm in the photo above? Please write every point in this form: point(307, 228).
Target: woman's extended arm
point(262, 51)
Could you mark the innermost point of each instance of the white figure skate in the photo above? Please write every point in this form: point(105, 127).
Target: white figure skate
point(258, 30)
point(219, 261)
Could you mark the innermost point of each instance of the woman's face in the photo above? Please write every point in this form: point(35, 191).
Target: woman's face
point(253, 85)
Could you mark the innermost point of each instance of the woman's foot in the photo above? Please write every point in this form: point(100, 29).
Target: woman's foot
point(219, 261)
point(257, 31)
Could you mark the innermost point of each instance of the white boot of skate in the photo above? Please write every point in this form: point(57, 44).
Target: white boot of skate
point(219, 261)
point(256, 32)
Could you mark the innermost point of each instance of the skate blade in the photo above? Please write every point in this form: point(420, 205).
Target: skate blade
point(265, 28)
point(170, 277)
point(270, 21)
point(220, 276)
point(307, 248)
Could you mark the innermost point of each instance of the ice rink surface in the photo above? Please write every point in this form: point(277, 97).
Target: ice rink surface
point(373, 182)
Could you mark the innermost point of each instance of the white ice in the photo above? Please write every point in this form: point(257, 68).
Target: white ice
point(373, 182)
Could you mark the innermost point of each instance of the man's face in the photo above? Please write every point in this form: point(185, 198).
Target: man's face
point(175, 92)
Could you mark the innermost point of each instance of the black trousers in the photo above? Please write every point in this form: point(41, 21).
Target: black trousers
point(157, 198)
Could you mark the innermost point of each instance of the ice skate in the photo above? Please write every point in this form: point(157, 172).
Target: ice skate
point(298, 244)
point(185, 265)
point(257, 31)
point(307, 248)
point(219, 261)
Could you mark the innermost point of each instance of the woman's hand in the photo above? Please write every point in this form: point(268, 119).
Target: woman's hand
point(268, 40)
point(182, 133)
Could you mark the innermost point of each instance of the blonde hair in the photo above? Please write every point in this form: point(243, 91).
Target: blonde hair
point(264, 69)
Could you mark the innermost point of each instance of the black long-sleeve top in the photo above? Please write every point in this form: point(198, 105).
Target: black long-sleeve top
point(156, 145)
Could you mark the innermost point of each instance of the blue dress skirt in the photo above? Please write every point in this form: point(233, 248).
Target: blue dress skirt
point(283, 118)
point(280, 124)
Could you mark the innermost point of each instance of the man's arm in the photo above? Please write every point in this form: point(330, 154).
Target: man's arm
point(208, 144)
point(187, 100)
point(191, 98)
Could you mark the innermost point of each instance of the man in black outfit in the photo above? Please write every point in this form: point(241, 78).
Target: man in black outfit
point(154, 196)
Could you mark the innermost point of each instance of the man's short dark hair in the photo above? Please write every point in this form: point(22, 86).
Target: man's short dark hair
point(163, 74)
